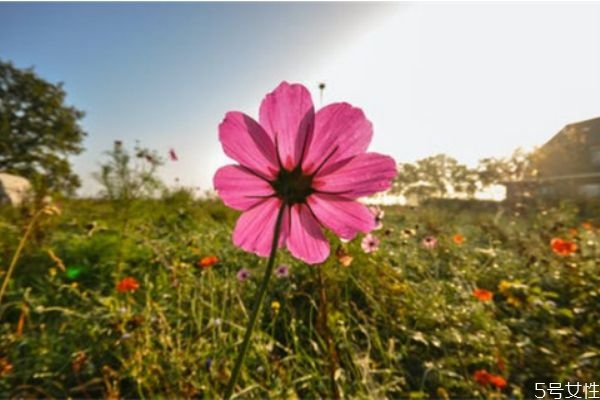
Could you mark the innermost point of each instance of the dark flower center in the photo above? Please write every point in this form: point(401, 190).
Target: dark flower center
point(293, 186)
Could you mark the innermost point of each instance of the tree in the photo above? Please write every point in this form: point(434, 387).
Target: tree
point(437, 176)
point(38, 131)
point(521, 165)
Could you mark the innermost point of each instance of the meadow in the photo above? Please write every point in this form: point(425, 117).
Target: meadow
point(457, 300)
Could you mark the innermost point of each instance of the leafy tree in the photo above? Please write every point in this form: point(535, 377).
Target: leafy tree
point(38, 131)
point(521, 165)
point(437, 176)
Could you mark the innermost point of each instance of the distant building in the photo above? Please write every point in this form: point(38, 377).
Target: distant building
point(568, 166)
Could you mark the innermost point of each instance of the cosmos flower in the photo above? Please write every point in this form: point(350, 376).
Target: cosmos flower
point(208, 261)
point(429, 242)
point(379, 214)
point(482, 294)
point(314, 166)
point(128, 284)
point(282, 271)
point(563, 247)
point(243, 274)
point(369, 243)
point(458, 239)
point(483, 377)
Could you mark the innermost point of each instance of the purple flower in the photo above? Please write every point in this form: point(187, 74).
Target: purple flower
point(243, 274)
point(282, 271)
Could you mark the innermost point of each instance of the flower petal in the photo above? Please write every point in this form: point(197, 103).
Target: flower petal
point(341, 131)
point(305, 239)
point(245, 141)
point(240, 188)
point(362, 175)
point(343, 216)
point(255, 228)
point(288, 115)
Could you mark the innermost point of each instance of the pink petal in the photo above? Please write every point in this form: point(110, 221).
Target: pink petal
point(245, 141)
point(344, 217)
point(305, 239)
point(341, 131)
point(255, 228)
point(362, 175)
point(240, 188)
point(288, 116)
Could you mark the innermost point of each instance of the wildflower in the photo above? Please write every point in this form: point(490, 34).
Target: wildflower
point(343, 256)
point(458, 239)
point(429, 242)
point(208, 261)
point(482, 294)
point(369, 243)
point(378, 213)
point(6, 366)
point(498, 381)
point(128, 284)
point(563, 247)
point(587, 225)
point(282, 271)
point(313, 166)
point(243, 274)
point(275, 306)
point(483, 377)
point(208, 363)
point(173, 155)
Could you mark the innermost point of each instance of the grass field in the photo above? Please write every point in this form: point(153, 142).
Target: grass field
point(147, 300)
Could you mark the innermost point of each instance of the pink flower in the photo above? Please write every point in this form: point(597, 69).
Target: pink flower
point(370, 243)
point(283, 271)
point(243, 274)
point(315, 165)
point(429, 242)
point(378, 213)
point(173, 155)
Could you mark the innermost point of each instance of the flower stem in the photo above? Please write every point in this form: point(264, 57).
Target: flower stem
point(256, 307)
point(17, 254)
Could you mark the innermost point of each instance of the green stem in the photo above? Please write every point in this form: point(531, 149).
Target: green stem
point(256, 307)
point(17, 254)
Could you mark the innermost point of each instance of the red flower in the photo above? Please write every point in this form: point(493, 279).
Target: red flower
point(498, 381)
point(208, 261)
point(482, 294)
point(483, 377)
point(129, 284)
point(563, 247)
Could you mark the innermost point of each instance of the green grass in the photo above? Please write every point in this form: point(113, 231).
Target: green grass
point(400, 323)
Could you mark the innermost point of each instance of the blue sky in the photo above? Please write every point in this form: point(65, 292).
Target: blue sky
point(470, 80)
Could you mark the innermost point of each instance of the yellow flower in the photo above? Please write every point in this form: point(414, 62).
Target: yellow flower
point(275, 306)
point(504, 286)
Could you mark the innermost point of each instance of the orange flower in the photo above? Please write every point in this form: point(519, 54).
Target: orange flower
point(482, 294)
point(129, 284)
point(563, 247)
point(484, 378)
point(481, 376)
point(458, 239)
point(587, 225)
point(208, 261)
point(498, 381)
point(5, 366)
